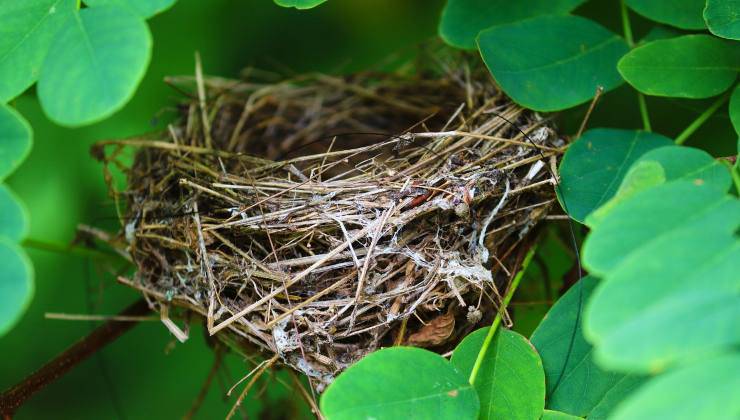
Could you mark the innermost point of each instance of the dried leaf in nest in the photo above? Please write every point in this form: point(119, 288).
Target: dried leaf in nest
point(312, 216)
point(438, 331)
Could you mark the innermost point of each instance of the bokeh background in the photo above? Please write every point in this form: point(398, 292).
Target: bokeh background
point(146, 374)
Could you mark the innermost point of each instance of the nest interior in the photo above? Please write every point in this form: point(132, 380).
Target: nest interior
point(320, 218)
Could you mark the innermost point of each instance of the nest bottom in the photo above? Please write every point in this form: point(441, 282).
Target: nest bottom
point(321, 218)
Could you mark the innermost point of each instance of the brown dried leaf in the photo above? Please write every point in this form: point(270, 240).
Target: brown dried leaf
point(435, 332)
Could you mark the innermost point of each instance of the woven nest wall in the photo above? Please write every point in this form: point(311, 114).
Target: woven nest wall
point(320, 218)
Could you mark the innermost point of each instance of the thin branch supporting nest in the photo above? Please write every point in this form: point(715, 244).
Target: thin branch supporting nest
point(321, 218)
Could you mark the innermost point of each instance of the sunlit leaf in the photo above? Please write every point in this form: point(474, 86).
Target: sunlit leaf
point(594, 165)
point(143, 8)
point(557, 415)
point(665, 164)
point(723, 18)
point(462, 20)
point(684, 14)
point(94, 66)
point(27, 30)
point(652, 214)
point(400, 382)
point(707, 389)
point(299, 4)
point(550, 63)
point(13, 216)
point(511, 381)
point(690, 66)
point(16, 284)
point(681, 258)
point(575, 384)
point(15, 140)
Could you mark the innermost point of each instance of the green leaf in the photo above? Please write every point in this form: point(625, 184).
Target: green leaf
point(690, 66)
point(735, 109)
point(707, 389)
point(511, 381)
point(400, 382)
point(28, 29)
point(672, 269)
point(723, 18)
point(594, 165)
point(462, 20)
point(299, 4)
point(16, 284)
point(652, 214)
point(94, 66)
point(556, 415)
point(684, 14)
point(143, 8)
point(15, 140)
point(13, 216)
point(664, 164)
point(575, 384)
point(550, 63)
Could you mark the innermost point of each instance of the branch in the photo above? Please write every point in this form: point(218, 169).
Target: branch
point(13, 398)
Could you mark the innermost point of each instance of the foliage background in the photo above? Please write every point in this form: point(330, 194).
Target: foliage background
point(62, 187)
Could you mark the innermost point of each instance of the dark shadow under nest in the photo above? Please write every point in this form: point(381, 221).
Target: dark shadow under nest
point(320, 218)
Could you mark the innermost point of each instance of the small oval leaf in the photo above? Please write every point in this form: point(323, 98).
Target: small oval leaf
point(143, 8)
point(594, 165)
point(15, 140)
point(550, 63)
point(723, 18)
point(462, 20)
point(13, 216)
point(400, 382)
point(94, 66)
point(684, 14)
point(16, 284)
point(690, 66)
point(511, 380)
point(28, 29)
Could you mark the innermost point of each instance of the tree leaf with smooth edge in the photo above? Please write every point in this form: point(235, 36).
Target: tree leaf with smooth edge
point(707, 389)
point(723, 18)
point(735, 109)
point(665, 164)
point(299, 4)
point(550, 63)
point(668, 258)
point(400, 382)
point(28, 29)
point(651, 214)
point(684, 14)
point(462, 20)
point(557, 415)
point(94, 66)
point(511, 380)
point(15, 140)
point(143, 8)
point(13, 216)
point(690, 66)
point(594, 165)
point(16, 284)
point(575, 384)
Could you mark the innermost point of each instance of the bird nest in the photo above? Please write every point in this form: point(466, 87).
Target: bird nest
point(320, 218)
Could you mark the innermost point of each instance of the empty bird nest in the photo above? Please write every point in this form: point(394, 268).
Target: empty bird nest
point(320, 218)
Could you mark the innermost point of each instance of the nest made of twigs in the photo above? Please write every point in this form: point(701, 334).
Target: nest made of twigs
point(323, 217)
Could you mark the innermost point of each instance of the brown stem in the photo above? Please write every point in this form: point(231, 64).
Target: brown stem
point(13, 398)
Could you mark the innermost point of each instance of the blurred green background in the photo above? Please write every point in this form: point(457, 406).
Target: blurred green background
point(145, 374)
